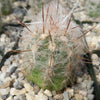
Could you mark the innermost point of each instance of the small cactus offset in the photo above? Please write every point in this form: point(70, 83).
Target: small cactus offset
point(56, 44)
point(6, 7)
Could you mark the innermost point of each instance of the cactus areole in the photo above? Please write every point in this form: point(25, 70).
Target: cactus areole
point(56, 43)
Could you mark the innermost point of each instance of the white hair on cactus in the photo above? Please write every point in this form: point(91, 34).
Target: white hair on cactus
point(54, 39)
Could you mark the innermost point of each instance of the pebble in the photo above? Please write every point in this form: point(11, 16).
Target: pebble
point(83, 92)
point(10, 98)
point(79, 80)
point(17, 84)
point(4, 97)
point(90, 97)
point(4, 68)
point(41, 96)
point(78, 97)
point(51, 98)
point(28, 87)
point(20, 97)
point(13, 69)
point(5, 91)
point(36, 89)
point(91, 90)
point(14, 91)
point(71, 93)
point(30, 96)
point(58, 97)
point(48, 93)
point(3, 75)
point(65, 95)
point(98, 78)
point(54, 93)
point(6, 83)
point(89, 84)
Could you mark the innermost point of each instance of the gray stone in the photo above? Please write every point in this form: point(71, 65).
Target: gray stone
point(28, 87)
point(3, 75)
point(30, 96)
point(65, 94)
point(10, 98)
point(58, 97)
point(90, 97)
point(13, 69)
point(18, 85)
point(48, 93)
point(20, 97)
point(5, 91)
point(6, 83)
point(91, 90)
point(53, 93)
point(41, 95)
point(36, 89)
point(89, 84)
point(4, 97)
point(71, 93)
point(78, 97)
point(51, 98)
point(14, 91)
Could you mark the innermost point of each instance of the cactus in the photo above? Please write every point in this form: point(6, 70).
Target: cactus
point(0, 24)
point(0, 20)
point(56, 45)
point(92, 7)
point(6, 7)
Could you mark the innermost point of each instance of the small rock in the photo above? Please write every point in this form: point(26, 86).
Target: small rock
point(20, 75)
point(98, 78)
point(90, 97)
point(4, 68)
point(30, 96)
point(48, 93)
point(28, 87)
point(65, 95)
point(18, 85)
point(14, 91)
point(58, 97)
point(20, 97)
point(95, 57)
point(41, 96)
point(51, 98)
point(10, 98)
point(91, 90)
point(13, 69)
point(6, 83)
point(4, 97)
point(83, 93)
point(3, 75)
point(71, 93)
point(78, 97)
point(14, 76)
point(89, 84)
point(5, 91)
point(36, 89)
point(79, 80)
point(53, 93)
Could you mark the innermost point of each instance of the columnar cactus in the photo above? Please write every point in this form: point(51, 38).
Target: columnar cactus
point(6, 7)
point(56, 44)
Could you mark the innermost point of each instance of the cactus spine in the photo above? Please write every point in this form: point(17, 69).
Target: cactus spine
point(55, 41)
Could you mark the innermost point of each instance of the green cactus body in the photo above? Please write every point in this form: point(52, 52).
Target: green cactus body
point(54, 43)
point(6, 7)
point(0, 22)
point(93, 8)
